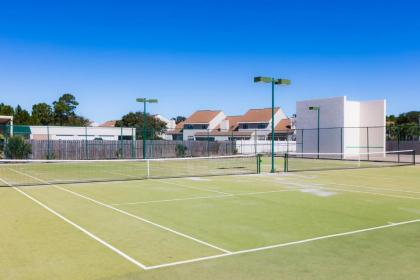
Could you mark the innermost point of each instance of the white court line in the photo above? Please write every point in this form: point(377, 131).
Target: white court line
point(175, 184)
point(85, 231)
point(194, 188)
point(202, 197)
point(283, 244)
point(326, 187)
point(129, 214)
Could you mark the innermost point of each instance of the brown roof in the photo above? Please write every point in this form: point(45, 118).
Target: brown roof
point(258, 115)
point(233, 122)
point(283, 125)
point(108, 124)
point(178, 128)
point(201, 117)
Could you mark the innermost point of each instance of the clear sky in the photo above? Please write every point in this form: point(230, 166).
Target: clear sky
point(204, 54)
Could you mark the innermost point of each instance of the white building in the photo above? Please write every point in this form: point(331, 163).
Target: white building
point(170, 126)
point(345, 126)
point(202, 121)
point(81, 133)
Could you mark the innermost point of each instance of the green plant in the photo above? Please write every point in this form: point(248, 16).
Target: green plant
point(1, 145)
point(17, 148)
point(180, 150)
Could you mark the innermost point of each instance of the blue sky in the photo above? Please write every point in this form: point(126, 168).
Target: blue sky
point(203, 54)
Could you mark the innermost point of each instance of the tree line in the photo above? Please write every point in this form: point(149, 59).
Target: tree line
point(405, 126)
point(60, 112)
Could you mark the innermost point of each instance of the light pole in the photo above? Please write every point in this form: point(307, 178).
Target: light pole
point(273, 82)
point(144, 101)
point(318, 109)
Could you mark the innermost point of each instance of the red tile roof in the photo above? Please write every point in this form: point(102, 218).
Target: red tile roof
point(202, 117)
point(233, 122)
point(283, 125)
point(178, 128)
point(258, 115)
point(108, 124)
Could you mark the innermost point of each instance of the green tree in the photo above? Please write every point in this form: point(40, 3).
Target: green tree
point(21, 116)
point(411, 117)
point(64, 108)
point(179, 119)
point(17, 148)
point(42, 114)
point(154, 126)
point(6, 110)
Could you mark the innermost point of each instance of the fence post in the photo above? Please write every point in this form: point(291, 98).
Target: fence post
point(341, 142)
point(48, 143)
point(132, 143)
point(255, 141)
point(152, 138)
point(302, 142)
point(367, 143)
point(208, 142)
point(398, 142)
point(86, 148)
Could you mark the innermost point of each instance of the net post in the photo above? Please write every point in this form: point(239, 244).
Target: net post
point(259, 163)
point(148, 168)
point(286, 162)
point(414, 156)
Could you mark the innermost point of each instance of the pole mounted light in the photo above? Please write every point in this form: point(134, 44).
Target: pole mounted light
point(318, 109)
point(273, 82)
point(144, 101)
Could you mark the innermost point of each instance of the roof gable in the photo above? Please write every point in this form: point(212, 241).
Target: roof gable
point(258, 115)
point(202, 117)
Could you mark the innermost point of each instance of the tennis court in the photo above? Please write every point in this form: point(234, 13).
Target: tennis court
point(103, 220)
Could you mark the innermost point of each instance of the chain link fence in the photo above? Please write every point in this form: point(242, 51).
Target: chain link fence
point(79, 143)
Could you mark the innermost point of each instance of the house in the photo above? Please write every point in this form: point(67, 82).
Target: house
point(215, 126)
point(108, 123)
point(80, 133)
point(170, 126)
point(201, 121)
point(259, 121)
point(177, 133)
point(284, 130)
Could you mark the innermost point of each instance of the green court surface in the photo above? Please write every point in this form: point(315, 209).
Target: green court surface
point(336, 224)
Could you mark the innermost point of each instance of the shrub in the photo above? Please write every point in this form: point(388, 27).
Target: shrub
point(17, 148)
point(180, 150)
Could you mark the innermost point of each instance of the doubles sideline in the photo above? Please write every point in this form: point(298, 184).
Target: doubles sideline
point(85, 231)
point(127, 213)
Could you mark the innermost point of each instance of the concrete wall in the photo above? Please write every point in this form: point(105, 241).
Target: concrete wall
point(343, 126)
point(331, 116)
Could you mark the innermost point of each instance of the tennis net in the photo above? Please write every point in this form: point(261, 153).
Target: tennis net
point(41, 172)
point(331, 161)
